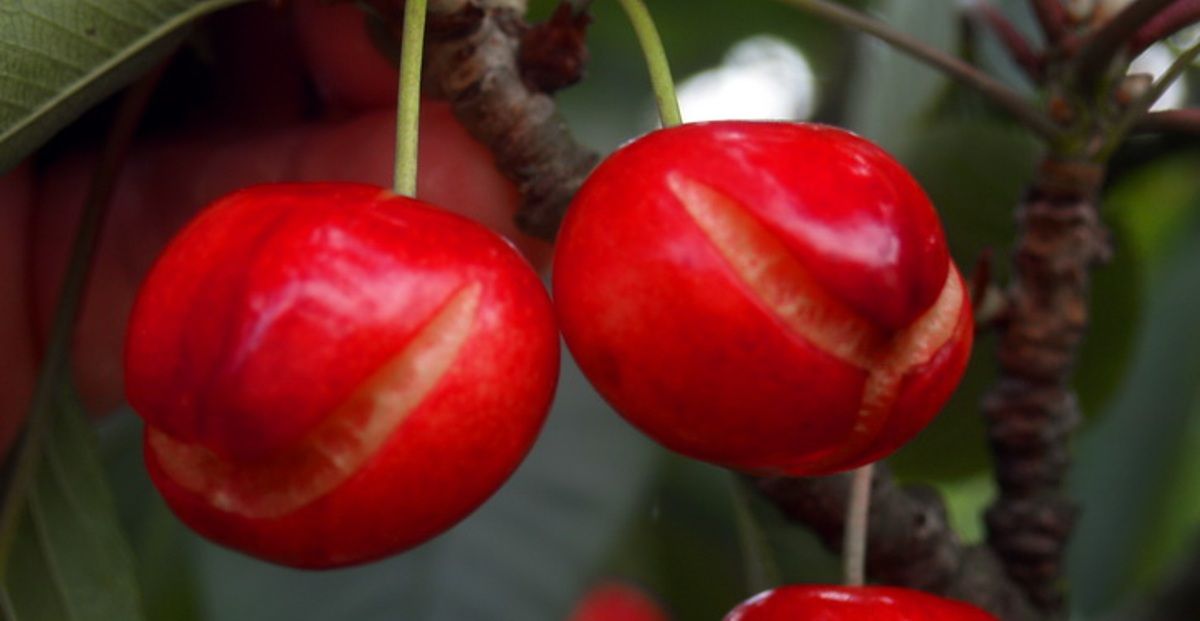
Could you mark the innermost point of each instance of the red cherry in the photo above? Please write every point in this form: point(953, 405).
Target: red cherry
point(773, 297)
point(617, 601)
point(813, 602)
point(330, 373)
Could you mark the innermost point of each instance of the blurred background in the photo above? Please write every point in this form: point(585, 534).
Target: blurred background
point(595, 500)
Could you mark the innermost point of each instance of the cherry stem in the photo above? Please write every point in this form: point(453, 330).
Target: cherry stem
point(656, 61)
point(53, 370)
point(408, 109)
point(995, 90)
point(854, 539)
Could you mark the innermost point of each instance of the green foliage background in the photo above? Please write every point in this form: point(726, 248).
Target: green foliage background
point(595, 499)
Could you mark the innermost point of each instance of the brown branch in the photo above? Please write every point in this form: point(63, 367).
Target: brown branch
point(1031, 411)
point(1180, 15)
point(471, 59)
point(909, 539)
point(1170, 122)
point(1136, 110)
point(996, 91)
point(1102, 46)
point(1015, 43)
point(1053, 18)
point(553, 54)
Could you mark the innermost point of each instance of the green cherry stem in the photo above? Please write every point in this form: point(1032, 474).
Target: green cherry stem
point(854, 542)
point(656, 61)
point(408, 109)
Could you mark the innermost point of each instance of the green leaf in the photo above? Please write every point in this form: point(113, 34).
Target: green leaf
point(1175, 518)
point(686, 549)
point(1131, 455)
point(1156, 204)
point(892, 91)
point(60, 57)
point(70, 560)
point(161, 543)
point(758, 559)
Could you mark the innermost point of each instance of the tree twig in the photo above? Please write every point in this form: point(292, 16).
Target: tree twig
point(1170, 122)
point(996, 91)
point(909, 539)
point(1018, 47)
point(1140, 107)
point(1103, 45)
point(1180, 15)
point(1053, 18)
point(1168, 77)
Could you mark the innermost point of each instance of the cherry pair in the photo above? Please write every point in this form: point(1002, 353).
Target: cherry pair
point(330, 373)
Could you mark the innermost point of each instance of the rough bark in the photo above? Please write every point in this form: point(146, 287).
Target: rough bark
point(1032, 410)
point(471, 60)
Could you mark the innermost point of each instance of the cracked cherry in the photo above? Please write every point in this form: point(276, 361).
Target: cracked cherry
point(842, 603)
point(330, 373)
point(773, 297)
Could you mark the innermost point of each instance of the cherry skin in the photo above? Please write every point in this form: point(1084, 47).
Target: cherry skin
point(330, 373)
point(813, 602)
point(773, 297)
point(617, 601)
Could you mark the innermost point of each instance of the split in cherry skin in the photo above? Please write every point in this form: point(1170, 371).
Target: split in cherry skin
point(330, 373)
point(843, 603)
point(773, 297)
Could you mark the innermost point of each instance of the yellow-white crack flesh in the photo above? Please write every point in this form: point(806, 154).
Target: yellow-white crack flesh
point(341, 443)
point(785, 287)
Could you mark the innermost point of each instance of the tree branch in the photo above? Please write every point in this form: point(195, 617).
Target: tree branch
point(471, 59)
point(1180, 15)
point(1053, 18)
point(1103, 45)
point(909, 539)
point(1031, 411)
point(1168, 77)
point(1015, 43)
point(1170, 122)
point(1139, 108)
point(993, 89)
